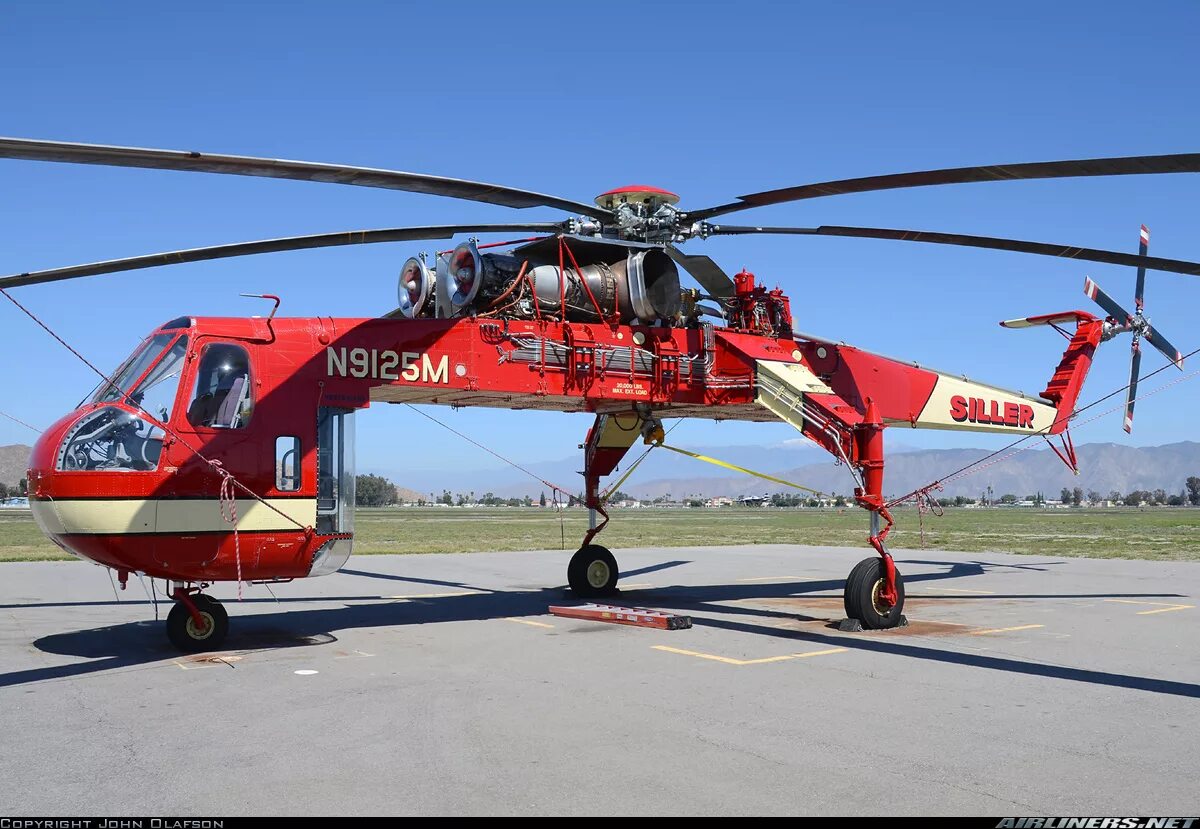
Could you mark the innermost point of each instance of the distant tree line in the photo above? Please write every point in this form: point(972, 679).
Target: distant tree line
point(19, 491)
point(378, 491)
point(790, 499)
point(374, 491)
point(1076, 497)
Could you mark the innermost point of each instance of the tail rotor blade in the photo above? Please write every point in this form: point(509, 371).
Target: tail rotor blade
point(1162, 344)
point(1110, 305)
point(1135, 365)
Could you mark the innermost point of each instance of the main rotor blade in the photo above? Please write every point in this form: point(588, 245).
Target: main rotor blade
point(322, 240)
point(62, 151)
point(1133, 165)
point(705, 271)
point(1113, 308)
point(1040, 248)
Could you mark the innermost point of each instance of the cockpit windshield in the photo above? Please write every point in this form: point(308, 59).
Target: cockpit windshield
point(155, 395)
point(132, 368)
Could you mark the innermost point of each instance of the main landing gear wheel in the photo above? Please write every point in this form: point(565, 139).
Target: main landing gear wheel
point(593, 572)
point(188, 636)
point(864, 587)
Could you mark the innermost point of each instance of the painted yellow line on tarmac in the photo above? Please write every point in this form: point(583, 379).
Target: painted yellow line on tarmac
point(819, 653)
point(436, 595)
point(529, 622)
point(1003, 630)
point(1163, 607)
point(632, 586)
point(778, 578)
point(730, 661)
point(961, 590)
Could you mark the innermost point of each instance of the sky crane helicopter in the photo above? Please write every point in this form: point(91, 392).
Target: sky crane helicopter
point(222, 449)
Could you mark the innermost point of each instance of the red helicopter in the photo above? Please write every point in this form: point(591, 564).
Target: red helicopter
point(222, 449)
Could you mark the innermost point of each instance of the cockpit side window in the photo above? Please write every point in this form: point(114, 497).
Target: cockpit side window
point(223, 397)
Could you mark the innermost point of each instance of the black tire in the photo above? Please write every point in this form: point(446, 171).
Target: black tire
point(182, 631)
point(861, 595)
point(593, 572)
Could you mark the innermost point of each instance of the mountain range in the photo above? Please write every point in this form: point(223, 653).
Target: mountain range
point(14, 460)
point(1103, 467)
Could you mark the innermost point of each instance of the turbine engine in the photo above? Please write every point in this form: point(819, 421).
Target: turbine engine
point(632, 284)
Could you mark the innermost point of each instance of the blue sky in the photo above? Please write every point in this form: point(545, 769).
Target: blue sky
point(709, 100)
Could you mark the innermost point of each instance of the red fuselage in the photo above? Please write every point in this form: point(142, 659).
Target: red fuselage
point(132, 479)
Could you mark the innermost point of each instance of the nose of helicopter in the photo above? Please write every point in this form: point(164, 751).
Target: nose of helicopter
point(40, 477)
point(42, 459)
point(71, 492)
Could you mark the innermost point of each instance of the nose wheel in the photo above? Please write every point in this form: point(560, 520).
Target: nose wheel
point(866, 596)
point(593, 572)
point(197, 623)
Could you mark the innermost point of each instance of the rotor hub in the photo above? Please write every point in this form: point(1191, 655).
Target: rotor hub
point(642, 213)
point(635, 194)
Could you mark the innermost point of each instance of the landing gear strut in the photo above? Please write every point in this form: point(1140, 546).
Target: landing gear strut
point(593, 570)
point(197, 622)
point(874, 592)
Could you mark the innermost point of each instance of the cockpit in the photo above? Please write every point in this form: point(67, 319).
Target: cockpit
point(128, 437)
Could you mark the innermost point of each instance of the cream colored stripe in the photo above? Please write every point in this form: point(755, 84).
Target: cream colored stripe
point(166, 515)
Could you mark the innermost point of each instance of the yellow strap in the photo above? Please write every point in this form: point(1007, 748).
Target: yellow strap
point(737, 468)
point(615, 487)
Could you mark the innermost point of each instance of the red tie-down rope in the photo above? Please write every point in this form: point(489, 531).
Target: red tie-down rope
point(22, 422)
point(599, 311)
point(229, 484)
point(926, 503)
point(227, 500)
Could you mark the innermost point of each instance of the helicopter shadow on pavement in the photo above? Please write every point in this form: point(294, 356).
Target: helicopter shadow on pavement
point(142, 643)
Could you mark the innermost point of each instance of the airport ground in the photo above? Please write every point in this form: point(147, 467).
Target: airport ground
point(440, 684)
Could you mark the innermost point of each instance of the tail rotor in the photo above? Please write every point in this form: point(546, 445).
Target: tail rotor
point(1120, 321)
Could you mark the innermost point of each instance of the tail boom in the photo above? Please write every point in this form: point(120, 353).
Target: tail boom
point(907, 394)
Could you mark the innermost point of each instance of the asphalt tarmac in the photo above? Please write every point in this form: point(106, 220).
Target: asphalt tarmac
point(440, 685)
